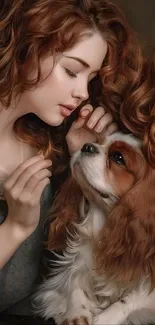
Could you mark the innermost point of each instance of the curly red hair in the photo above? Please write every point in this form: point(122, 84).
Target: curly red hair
point(31, 30)
point(137, 111)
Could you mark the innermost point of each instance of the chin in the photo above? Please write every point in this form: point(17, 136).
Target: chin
point(54, 121)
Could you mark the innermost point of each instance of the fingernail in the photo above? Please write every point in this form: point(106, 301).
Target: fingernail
point(98, 129)
point(85, 112)
point(90, 125)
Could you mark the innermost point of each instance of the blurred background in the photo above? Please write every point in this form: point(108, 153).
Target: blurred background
point(141, 16)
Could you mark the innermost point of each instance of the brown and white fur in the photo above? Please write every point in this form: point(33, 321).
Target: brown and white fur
point(107, 272)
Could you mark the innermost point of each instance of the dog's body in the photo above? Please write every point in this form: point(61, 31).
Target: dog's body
point(78, 292)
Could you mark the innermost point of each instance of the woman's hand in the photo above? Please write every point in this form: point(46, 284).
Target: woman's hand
point(88, 125)
point(23, 191)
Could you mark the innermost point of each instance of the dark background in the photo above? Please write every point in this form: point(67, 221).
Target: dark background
point(141, 16)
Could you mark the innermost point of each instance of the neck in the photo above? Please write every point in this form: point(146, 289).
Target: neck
point(8, 117)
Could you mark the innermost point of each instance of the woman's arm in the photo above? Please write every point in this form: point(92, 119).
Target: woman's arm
point(23, 190)
point(11, 237)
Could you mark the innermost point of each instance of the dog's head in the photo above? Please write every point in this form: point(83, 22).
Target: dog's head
point(114, 173)
point(106, 171)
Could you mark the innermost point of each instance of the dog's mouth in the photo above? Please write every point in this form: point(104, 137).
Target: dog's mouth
point(86, 206)
point(100, 194)
point(103, 195)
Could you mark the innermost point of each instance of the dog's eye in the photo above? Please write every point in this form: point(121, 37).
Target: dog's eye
point(117, 157)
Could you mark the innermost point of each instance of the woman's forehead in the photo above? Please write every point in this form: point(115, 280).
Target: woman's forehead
point(90, 49)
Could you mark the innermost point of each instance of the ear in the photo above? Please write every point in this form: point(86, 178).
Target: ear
point(64, 211)
point(126, 247)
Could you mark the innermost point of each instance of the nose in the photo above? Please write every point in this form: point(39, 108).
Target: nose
point(89, 148)
point(81, 92)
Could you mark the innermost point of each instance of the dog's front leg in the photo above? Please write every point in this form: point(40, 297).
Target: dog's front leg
point(116, 314)
point(136, 308)
point(78, 311)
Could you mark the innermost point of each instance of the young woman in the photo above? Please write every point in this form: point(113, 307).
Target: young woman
point(54, 57)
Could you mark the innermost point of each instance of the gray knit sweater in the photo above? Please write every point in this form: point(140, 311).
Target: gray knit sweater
point(17, 278)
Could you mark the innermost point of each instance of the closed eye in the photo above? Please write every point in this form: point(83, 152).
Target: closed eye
point(70, 73)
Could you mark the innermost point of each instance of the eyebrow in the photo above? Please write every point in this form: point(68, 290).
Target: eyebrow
point(85, 64)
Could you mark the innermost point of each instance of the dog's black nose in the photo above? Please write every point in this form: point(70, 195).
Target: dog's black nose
point(89, 148)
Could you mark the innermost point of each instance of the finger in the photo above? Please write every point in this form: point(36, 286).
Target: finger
point(111, 129)
point(35, 179)
point(39, 189)
point(84, 113)
point(19, 170)
point(103, 123)
point(30, 171)
point(86, 110)
point(77, 124)
point(95, 117)
point(19, 185)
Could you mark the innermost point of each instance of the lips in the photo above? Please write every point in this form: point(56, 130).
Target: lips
point(69, 107)
point(66, 110)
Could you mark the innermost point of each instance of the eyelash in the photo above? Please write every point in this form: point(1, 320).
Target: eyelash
point(70, 73)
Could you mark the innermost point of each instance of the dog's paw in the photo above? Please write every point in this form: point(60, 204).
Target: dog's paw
point(110, 316)
point(80, 316)
point(77, 321)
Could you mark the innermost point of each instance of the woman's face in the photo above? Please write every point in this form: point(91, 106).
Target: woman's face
point(65, 86)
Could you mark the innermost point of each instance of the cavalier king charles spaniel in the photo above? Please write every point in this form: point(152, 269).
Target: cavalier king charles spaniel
point(104, 223)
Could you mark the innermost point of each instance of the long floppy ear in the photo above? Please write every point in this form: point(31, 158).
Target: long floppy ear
point(126, 247)
point(63, 212)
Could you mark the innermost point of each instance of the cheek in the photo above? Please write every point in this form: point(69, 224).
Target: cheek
point(40, 98)
point(58, 80)
point(120, 180)
point(47, 93)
